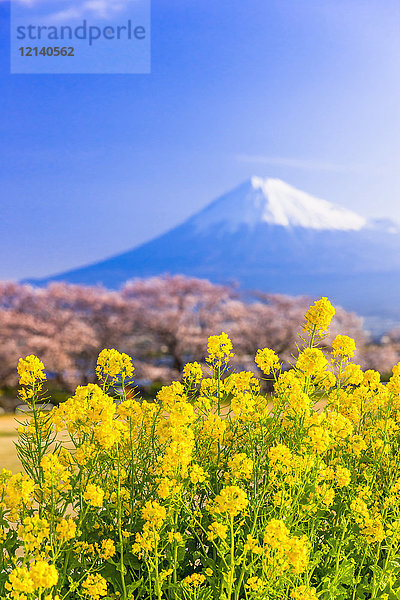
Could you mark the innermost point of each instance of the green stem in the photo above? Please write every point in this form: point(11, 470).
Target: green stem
point(121, 539)
point(232, 561)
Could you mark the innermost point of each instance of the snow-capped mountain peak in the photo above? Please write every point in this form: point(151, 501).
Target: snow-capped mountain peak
point(275, 202)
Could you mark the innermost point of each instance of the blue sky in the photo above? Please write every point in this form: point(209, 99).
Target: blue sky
point(308, 91)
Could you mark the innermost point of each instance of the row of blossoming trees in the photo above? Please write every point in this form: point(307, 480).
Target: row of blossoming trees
point(162, 322)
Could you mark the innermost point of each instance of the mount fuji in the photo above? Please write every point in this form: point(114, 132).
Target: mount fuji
point(270, 236)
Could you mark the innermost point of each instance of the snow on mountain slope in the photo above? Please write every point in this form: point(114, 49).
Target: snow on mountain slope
point(275, 202)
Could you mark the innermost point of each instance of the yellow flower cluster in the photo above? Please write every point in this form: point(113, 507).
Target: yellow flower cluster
point(343, 476)
point(240, 467)
point(255, 584)
point(290, 394)
point(105, 550)
point(154, 515)
point(287, 551)
point(218, 488)
point(111, 364)
point(311, 361)
point(217, 530)
point(33, 531)
point(231, 500)
point(280, 458)
point(197, 474)
point(17, 493)
point(65, 530)
point(319, 316)
point(214, 427)
point(90, 409)
point(371, 525)
point(244, 406)
point(219, 350)
point(304, 593)
point(194, 580)
point(30, 371)
point(245, 381)
point(56, 476)
point(39, 576)
point(95, 586)
point(343, 345)
point(192, 373)
point(267, 360)
point(93, 495)
point(176, 428)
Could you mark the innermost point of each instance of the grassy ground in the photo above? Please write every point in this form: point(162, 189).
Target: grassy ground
point(8, 435)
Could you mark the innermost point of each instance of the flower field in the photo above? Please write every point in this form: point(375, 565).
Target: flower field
point(214, 491)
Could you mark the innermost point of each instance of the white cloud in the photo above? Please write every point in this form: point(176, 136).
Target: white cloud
point(59, 10)
point(299, 163)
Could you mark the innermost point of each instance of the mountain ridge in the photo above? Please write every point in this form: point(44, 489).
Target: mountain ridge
point(267, 235)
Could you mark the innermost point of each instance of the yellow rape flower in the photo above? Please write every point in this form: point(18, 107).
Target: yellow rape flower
point(311, 361)
point(89, 408)
point(245, 381)
point(325, 379)
point(255, 584)
point(214, 427)
point(20, 582)
point(197, 474)
point(56, 476)
point(194, 580)
point(30, 370)
point(276, 534)
point(169, 395)
point(343, 476)
point(343, 345)
point(85, 453)
point(217, 530)
point(18, 492)
point(43, 575)
point(192, 373)
point(167, 487)
point(65, 530)
point(267, 360)
point(297, 553)
point(33, 531)
point(231, 500)
point(154, 513)
point(175, 536)
point(374, 531)
point(319, 315)
point(352, 374)
point(93, 495)
point(319, 439)
point(111, 364)
point(360, 509)
point(326, 494)
point(219, 350)
point(339, 425)
point(240, 466)
point(106, 549)
point(243, 406)
point(280, 456)
point(95, 586)
point(252, 545)
point(371, 379)
point(304, 593)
